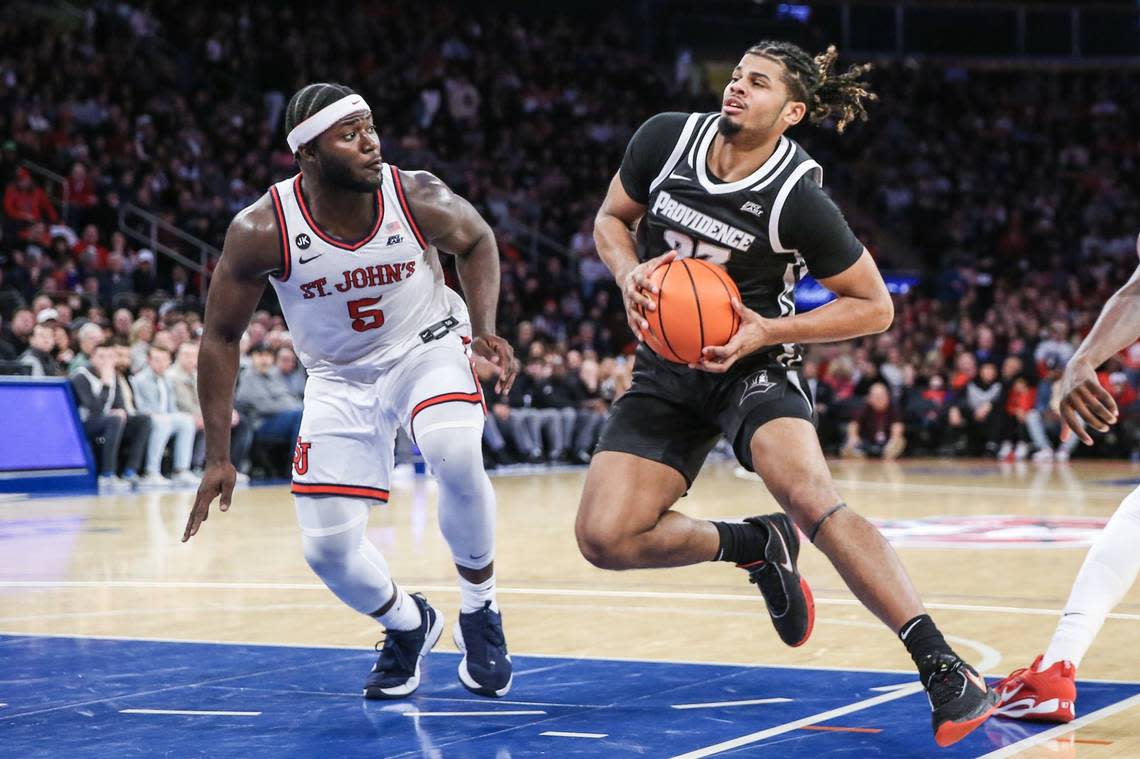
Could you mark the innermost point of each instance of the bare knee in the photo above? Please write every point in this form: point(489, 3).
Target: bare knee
point(807, 500)
point(602, 543)
point(603, 550)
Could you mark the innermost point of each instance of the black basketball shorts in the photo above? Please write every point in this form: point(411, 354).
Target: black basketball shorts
point(674, 415)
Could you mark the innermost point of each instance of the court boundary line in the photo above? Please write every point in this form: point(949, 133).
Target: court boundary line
point(507, 590)
point(1054, 732)
point(787, 727)
point(525, 654)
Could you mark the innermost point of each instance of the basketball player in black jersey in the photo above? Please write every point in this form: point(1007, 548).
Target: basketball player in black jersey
point(729, 187)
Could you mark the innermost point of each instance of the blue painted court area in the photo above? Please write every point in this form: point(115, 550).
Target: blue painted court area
point(82, 697)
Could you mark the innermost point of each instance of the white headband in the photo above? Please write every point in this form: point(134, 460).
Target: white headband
point(323, 119)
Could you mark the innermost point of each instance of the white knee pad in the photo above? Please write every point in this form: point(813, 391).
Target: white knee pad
point(332, 537)
point(451, 443)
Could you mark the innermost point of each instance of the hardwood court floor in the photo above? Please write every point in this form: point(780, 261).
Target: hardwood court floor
point(113, 566)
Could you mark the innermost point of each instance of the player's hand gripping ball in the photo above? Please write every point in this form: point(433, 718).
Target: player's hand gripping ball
point(694, 309)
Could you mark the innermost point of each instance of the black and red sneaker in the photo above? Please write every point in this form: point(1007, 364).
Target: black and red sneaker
point(786, 593)
point(960, 700)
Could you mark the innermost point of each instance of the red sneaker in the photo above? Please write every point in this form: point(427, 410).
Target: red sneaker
point(1048, 696)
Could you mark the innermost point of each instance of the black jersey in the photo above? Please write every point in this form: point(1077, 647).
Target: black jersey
point(767, 229)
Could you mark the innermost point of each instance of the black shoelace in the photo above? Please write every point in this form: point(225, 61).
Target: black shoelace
point(945, 682)
point(767, 578)
point(395, 651)
point(490, 631)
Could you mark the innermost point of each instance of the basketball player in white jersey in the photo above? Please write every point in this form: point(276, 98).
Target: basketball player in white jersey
point(1047, 689)
point(349, 244)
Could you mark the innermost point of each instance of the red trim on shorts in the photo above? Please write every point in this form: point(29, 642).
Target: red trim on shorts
point(359, 491)
point(436, 400)
point(342, 244)
point(283, 236)
point(404, 205)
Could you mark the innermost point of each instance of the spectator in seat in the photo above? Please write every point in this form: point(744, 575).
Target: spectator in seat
point(977, 410)
point(1019, 400)
point(495, 452)
point(1056, 346)
point(877, 429)
point(89, 251)
point(39, 354)
point(154, 397)
point(262, 393)
point(94, 386)
point(561, 396)
point(26, 203)
point(592, 410)
point(184, 381)
point(89, 336)
point(80, 195)
point(530, 425)
point(1043, 423)
point(136, 433)
point(18, 332)
point(291, 371)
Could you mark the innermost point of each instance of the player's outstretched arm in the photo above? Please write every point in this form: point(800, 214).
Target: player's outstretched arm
point(453, 225)
point(616, 248)
point(252, 251)
point(1081, 396)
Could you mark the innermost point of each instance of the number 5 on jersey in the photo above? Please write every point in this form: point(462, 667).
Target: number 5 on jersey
point(364, 316)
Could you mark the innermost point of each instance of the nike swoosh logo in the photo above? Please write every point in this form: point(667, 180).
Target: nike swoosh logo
point(311, 258)
point(976, 680)
point(787, 562)
point(906, 632)
point(1009, 694)
point(473, 556)
point(678, 176)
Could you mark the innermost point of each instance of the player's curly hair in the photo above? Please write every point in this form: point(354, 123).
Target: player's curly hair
point(811, 81)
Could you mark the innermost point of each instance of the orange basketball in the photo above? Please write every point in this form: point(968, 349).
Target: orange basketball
point(694, 310)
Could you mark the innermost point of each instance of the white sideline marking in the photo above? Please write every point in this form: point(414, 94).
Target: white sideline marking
point(559, 734)
point(473, 714)
point(891, 688)
point(717, 704)
point(787, 727)
point(570, 592)
point(190, 712)
point(1059, 730)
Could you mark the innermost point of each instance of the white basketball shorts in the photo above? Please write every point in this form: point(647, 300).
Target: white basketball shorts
point(348, 430)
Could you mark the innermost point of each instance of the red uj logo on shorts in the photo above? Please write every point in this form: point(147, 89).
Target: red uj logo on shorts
point(301, 457)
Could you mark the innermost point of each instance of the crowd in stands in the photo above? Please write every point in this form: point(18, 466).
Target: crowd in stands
point(1016, 192)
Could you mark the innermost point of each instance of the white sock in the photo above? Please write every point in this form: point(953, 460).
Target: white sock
point(404, 614)
point(1108, 572)
point(472, 596)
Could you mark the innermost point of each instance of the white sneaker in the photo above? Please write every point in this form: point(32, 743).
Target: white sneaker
point(109, 483)
point(1044, 456)
point(185, 478)
point(242, 479)
point(1061, 455)
point(153, 480)
point(1005, 451)
point(1020, 451)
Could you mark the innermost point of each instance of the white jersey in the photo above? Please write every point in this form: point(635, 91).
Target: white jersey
point(353, 308)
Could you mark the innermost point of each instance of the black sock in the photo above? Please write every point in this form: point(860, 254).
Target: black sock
point(922, 638)
point(741, 542)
